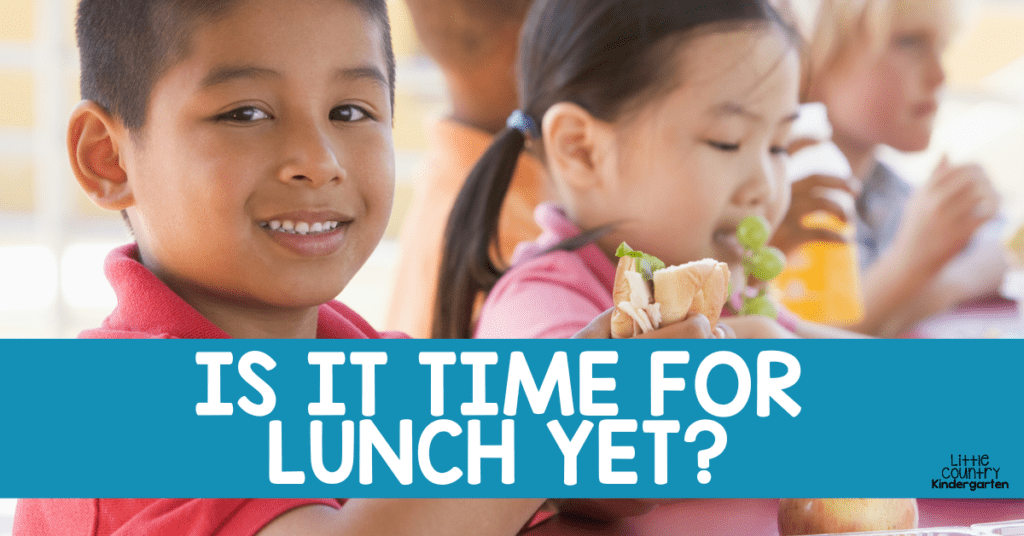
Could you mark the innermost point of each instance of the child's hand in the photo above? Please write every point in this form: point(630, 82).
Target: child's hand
point(810, 195)
point(694, 327)
point(942, 216)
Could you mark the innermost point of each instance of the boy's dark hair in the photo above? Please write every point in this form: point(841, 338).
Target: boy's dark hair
point(460, 33)
point(126, 45)
point(603, 55)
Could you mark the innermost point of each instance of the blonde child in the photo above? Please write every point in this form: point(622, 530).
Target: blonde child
point(877, 67)
point(661, 124)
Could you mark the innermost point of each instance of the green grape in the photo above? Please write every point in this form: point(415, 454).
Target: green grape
point(752, 232)
point(759, 305)
point(767, 263)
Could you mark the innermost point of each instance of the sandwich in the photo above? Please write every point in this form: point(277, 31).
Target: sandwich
point(648, 295)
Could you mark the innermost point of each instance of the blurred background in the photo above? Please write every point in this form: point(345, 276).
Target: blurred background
point(53, 239)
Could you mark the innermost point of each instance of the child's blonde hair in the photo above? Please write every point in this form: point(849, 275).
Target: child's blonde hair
point(838, 23)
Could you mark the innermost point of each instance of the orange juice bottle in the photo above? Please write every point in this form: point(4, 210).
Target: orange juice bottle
point(821, 282)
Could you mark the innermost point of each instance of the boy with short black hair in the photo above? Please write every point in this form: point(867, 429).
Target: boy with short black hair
point(249, 144)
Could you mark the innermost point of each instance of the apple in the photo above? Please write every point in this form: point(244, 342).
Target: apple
point(831, 516)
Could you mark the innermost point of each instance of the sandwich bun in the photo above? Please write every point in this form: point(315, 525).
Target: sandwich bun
point(678, 293)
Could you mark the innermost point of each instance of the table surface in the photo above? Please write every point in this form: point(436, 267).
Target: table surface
point(989, 318)
point(757, 517)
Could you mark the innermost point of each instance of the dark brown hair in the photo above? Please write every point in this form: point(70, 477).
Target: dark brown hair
point(603, 55)
point(126, 45)
point(461, 33)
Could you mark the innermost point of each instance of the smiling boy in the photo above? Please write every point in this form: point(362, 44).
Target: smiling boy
point(256, 170)
point(248, 143)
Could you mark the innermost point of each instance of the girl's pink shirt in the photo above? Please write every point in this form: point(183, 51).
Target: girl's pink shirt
point(549, 296)
point(554, 295)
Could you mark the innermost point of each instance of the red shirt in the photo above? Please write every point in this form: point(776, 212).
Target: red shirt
point(166, 517)
point(147, 308)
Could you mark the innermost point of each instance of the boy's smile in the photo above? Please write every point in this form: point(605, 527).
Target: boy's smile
point(263, 177)
point(308, 233)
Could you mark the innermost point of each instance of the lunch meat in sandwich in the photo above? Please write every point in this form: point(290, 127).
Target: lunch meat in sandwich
point(649, 295)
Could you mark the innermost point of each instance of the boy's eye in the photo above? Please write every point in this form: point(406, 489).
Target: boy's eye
point(723, 146)
point(348, 113)
point(778, 150)
point(245, 114)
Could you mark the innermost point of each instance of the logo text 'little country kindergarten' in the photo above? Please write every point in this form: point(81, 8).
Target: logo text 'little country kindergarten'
point(445, 380)
point(971, 472)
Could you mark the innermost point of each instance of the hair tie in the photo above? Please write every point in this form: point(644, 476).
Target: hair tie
point(522, 122)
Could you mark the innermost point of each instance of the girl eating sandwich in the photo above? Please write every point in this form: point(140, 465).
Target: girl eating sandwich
point(662, 124)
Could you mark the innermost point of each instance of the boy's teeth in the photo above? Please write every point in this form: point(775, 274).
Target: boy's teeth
point(303, 228)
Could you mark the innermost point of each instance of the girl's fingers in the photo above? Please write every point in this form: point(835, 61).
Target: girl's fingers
point(695, 327)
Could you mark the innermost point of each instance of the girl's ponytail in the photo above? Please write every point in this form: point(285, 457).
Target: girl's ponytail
point(606, 56)
point(471, 236)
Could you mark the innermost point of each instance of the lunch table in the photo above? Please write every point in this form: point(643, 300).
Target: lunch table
point(994, 317)
point(757, 517)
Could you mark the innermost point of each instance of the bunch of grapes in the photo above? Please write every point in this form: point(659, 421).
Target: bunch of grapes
point(760, 260)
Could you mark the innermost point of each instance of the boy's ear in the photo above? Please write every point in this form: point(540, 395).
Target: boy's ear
point(95, 142)
point(577, 145)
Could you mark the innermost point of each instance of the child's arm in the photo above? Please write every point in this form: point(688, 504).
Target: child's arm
point(978, 274)
point(396, 517)
point(938, 223)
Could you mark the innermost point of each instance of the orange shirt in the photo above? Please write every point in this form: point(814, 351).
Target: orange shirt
point(455, 149)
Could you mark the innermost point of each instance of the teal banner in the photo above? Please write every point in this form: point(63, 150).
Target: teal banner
point(512, 418)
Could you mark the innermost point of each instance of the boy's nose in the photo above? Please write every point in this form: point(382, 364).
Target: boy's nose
point(311, 159)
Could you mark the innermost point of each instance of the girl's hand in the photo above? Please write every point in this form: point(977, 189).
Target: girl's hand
point(695, 327)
